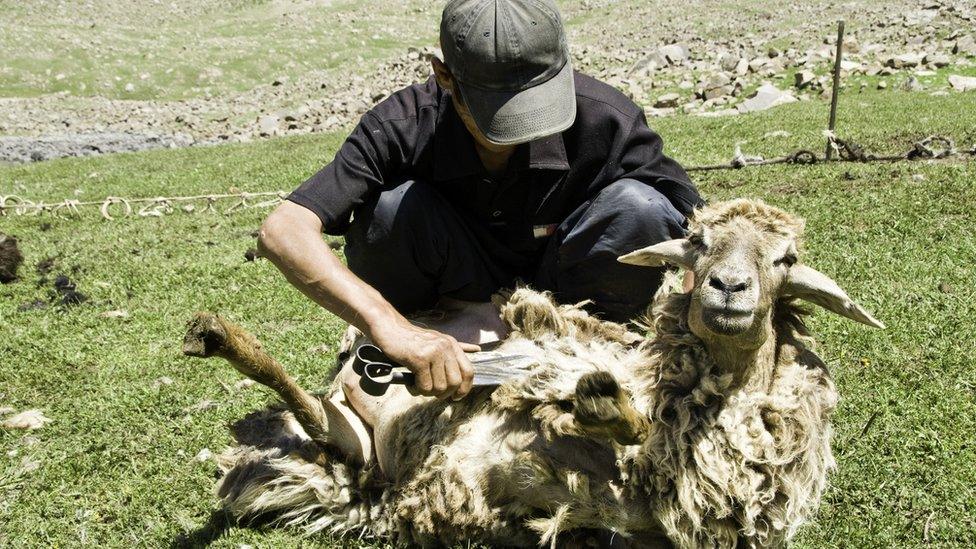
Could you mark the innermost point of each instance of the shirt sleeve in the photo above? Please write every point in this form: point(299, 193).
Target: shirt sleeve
point(641, 157)
point(367, 159)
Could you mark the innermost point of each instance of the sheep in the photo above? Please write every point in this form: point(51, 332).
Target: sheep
point(713, 430)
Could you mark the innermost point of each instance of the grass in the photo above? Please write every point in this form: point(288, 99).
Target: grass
point(116, 466)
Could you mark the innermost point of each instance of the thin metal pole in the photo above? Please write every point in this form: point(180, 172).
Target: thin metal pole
point(836, 89)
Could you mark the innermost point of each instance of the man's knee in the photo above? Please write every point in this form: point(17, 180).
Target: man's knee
point(640, 213)
point(375, 221)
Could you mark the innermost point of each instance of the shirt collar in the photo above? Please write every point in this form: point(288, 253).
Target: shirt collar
point(455, 155)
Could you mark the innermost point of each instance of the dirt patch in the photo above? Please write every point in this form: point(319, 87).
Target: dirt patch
point(10, 258)
point(35, 149)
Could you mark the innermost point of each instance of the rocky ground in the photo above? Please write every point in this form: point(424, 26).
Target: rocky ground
point(713, 59)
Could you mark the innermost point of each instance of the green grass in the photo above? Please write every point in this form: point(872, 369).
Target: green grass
point(116, 465)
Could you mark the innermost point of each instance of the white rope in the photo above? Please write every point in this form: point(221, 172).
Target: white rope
point(114, 207)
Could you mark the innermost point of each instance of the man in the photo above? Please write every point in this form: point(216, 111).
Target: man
point(505, 165)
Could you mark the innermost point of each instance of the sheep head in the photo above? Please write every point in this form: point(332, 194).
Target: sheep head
point(743, 254)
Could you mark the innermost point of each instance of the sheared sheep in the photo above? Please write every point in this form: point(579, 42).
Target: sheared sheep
point(712, 431)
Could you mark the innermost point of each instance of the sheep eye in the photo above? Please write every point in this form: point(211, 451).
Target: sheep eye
point(789, 260)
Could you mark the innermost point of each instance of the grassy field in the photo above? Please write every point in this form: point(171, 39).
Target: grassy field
point(116, 465)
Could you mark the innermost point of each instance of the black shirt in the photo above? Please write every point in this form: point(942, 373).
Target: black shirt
point(415, 134)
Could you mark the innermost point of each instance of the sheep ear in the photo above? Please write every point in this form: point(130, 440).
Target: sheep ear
point(811, 285)
point(677, 252)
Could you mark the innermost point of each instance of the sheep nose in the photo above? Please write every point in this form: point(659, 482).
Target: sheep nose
point(728, 284)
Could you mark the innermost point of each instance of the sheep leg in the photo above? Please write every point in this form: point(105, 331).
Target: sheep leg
point(603, 409)
point(324, 420)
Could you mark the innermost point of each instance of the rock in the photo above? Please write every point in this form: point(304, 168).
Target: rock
point(716, 85)
point(965, 45)
point(28, 419)
point(912, 85)
point(904, 61)
point(776, 134)
point(675, 54)
point(728, 61)
point(268, 125)
point(742, 67)
point(766, 97)
point(938, 60)
point(804, 79)
point(882, 85)
point(647, 64)
point(667, 101)
point(962, 83)
point(203, 455)
point(114, 314)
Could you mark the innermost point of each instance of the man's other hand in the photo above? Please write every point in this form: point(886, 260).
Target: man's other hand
point(438, 360)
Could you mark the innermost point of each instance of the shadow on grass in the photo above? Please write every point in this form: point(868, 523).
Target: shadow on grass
point(217, 525)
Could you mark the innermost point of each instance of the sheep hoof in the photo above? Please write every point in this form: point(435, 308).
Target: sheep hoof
point(205, 336)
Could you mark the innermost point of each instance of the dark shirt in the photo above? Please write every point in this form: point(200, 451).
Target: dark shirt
point(415, 134)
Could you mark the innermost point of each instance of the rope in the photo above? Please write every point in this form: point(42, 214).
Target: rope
point(114, 207)
point(934, 147)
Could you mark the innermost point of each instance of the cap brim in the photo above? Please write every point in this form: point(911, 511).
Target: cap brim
point(510, 118)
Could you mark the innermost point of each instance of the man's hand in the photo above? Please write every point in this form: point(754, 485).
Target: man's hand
point(437, 359)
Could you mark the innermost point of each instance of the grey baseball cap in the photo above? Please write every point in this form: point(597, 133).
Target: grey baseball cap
point(511, 65)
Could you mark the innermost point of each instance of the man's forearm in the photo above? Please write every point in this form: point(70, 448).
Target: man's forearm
point(291, 239)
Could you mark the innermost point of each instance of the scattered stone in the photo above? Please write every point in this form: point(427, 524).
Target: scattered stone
point(778, 134)
point(912, 85)
point(962, 83)
point(965, 45)
point(716, 85)
point(244, 384)
point(10, 258)
point(161, 382)
point(268, 125)
point(114, 314)
point(675, 54)
point(938, 60)
point(766, 97)
point(882, 85)
point(28, 419)
point(130, 87)
point(904, 61)
point(203, 455)
point(803, 79)
point(667, 101)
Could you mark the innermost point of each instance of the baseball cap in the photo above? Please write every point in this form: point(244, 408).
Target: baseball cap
point(511, 65)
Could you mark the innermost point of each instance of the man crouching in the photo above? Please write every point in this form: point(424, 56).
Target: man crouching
point(505, 165)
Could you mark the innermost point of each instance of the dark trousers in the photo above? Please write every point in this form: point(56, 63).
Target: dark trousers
point(413, 247)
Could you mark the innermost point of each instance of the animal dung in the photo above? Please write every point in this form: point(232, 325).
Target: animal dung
point(10, 258)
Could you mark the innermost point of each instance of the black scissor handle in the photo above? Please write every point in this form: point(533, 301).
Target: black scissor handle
point(376, 371)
